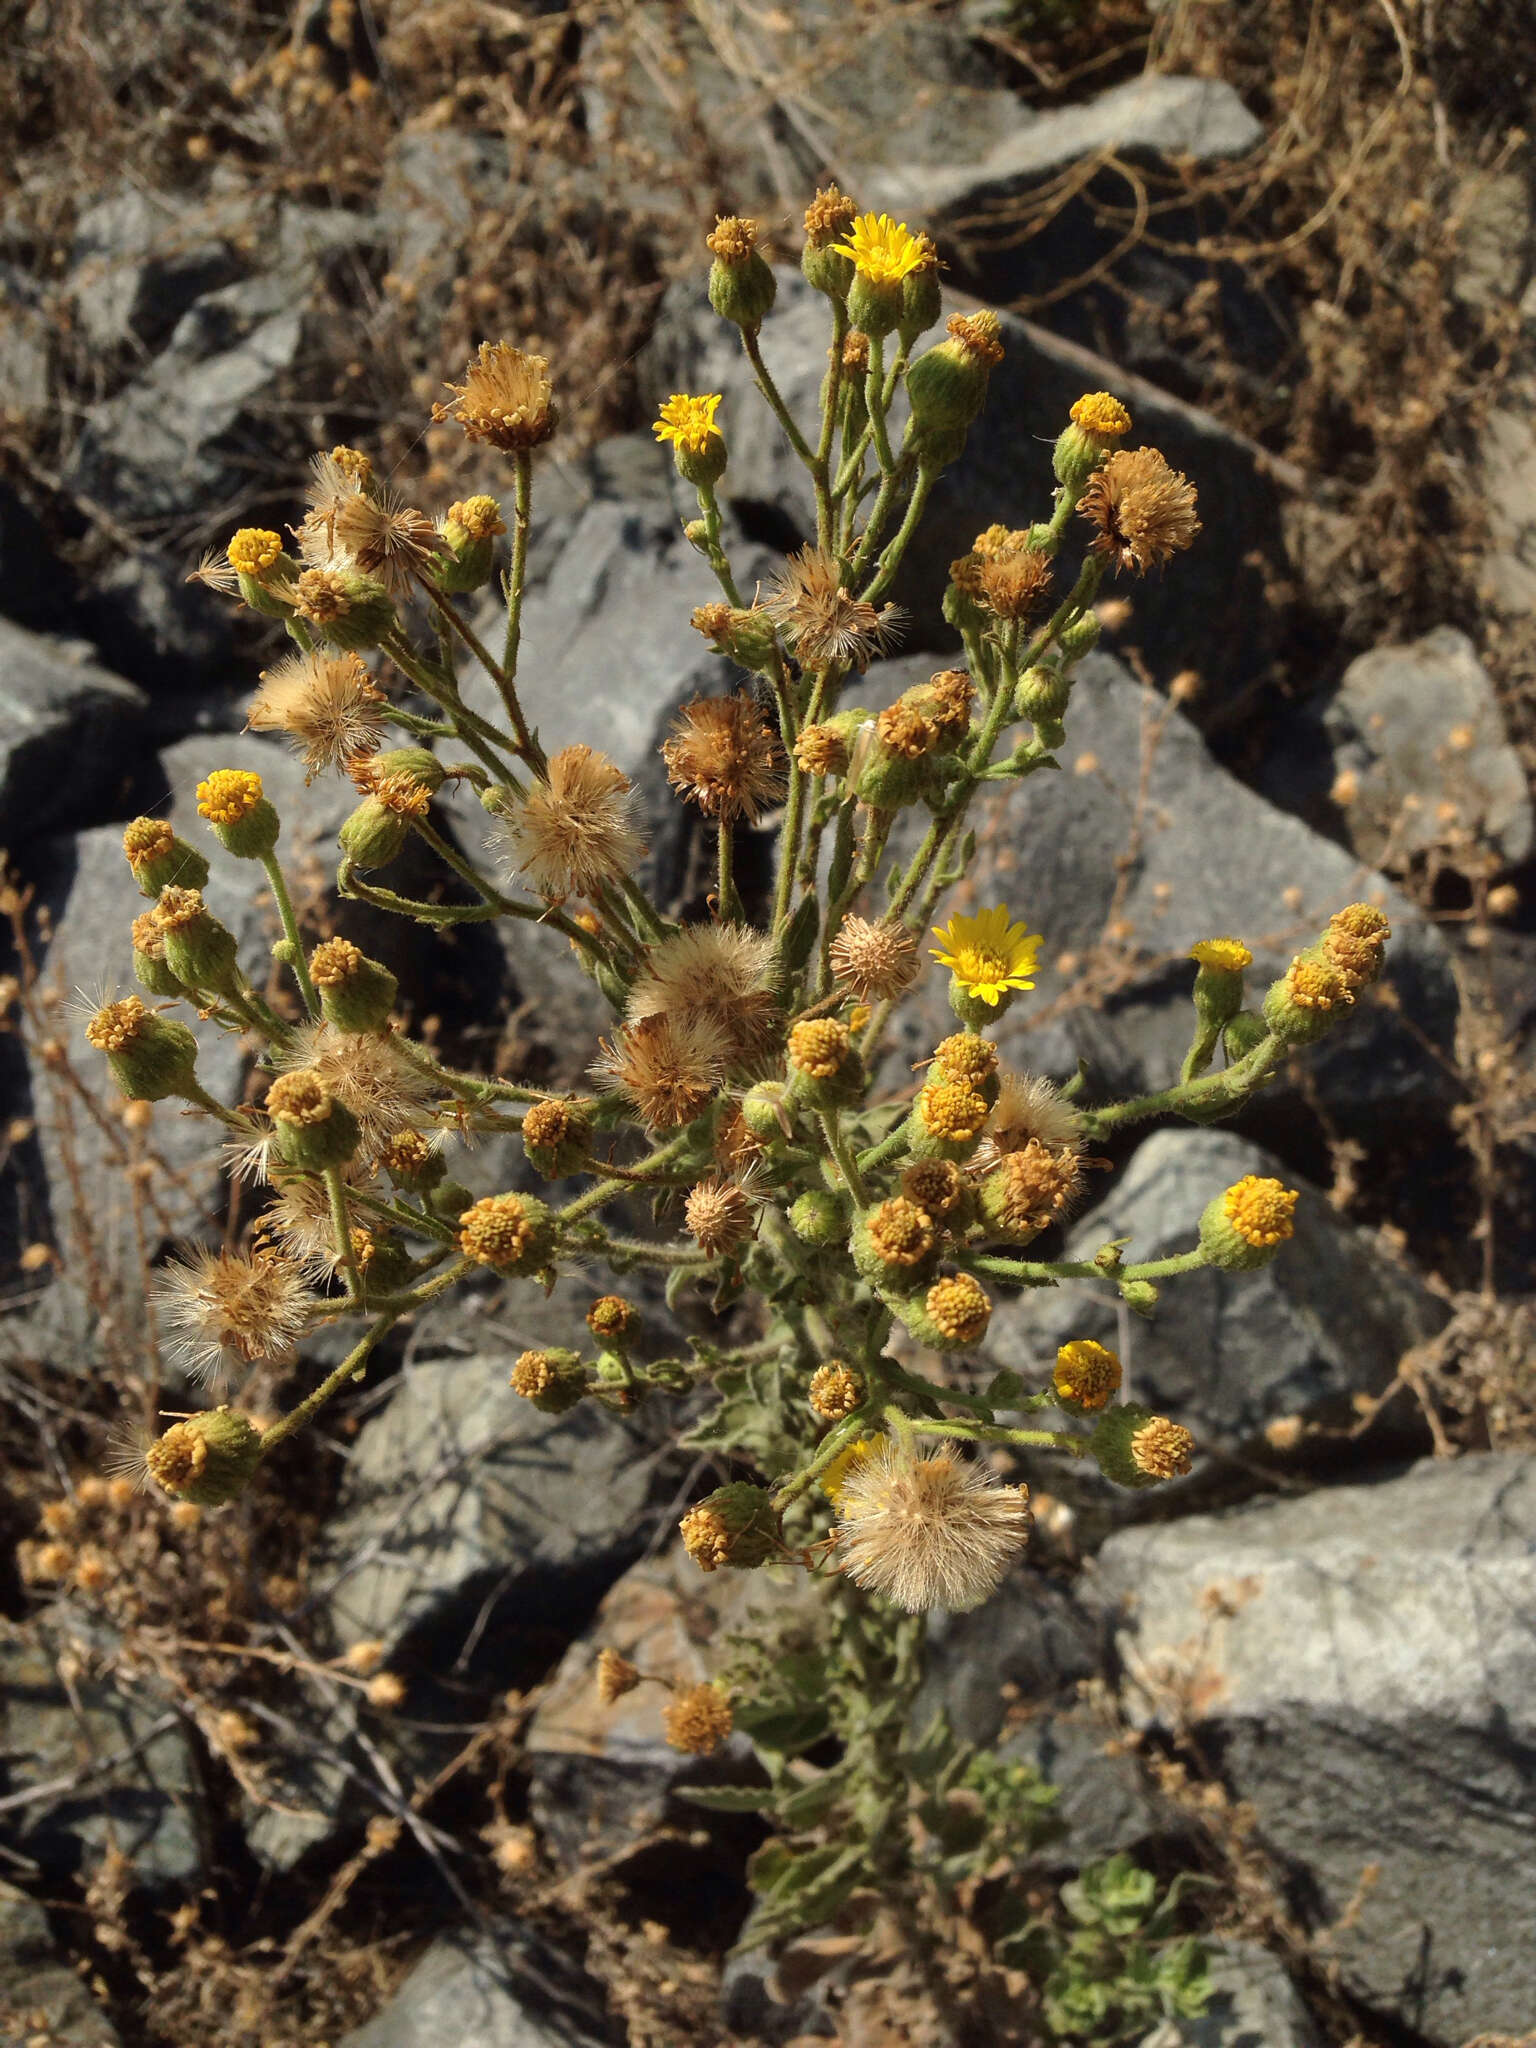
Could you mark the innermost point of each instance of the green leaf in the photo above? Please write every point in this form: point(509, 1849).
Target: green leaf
point(728, 1798)
point(800, 935)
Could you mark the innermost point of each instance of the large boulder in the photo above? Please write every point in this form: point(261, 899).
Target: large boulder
point(1208, 614)
point(141, 259)
point(1226, 1353)
point(72, 736)
point(1253, 2004)
point(1142, 846)
point(500, 1988)
point(1362, 1664)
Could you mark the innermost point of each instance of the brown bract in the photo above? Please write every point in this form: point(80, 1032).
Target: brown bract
point(1144, 511)
point(504, 399)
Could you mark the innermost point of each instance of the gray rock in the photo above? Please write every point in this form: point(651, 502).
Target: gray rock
point(1031, 1644)
point(92, 900)
point(38, 1995)
point(71, 735)
point(1255, 2006)
point(1209, 613)
point(1157, 114)
point(1507, 466)
point(25, 337)
point(502, 1989)
point(1363, 1663)
point(1207, 856)
point(1229, 1352)
point(1104, 1804)
point(108, 1758)
point(140, 259)
point(459, 1492)
point(433, 185)
point(1420, 731)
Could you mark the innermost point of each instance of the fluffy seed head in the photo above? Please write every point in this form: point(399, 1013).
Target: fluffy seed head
point(223, 1307)
point(1144, 512)
point(1086, 1373)
point(1030, 1107)
point(577, 830)
point(716, 976)
point(932, 1531)
point(821, 620)
point(1013, 582)
point(1162, 1449)
point(1261, 1211)
point(669, 1067)
point(877, 962)
point(900, 1231)
point(698, 1720)
point(504, 399)
point(836, 1390)
point(960, 1308)
point(719, 1216)
point(724, 756)
point(326, 705)
point(369, 1075)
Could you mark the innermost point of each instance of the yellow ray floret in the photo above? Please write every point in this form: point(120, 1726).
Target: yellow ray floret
point(987, 954)
point(884, 250)
point(689, 422)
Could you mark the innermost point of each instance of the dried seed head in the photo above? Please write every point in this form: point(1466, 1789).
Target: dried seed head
point(979, 335)
point(724, 756)
point(717, 976)
point(1030, 1107)
point(903, 730)
point(931, 1531)
point(577, 830)
point(1144, 512)
point(901, 1233)
point(877, 962)
point(377, 532)
point(836, 1390)
point(1012, 584)
point(504, 399)
point(719, 1216)
point(821, 750)
point(669, 1067)
point(326, 705)
point(821, 620)
point(698, 1720)
point(1030, 1189)
point(615, 1676)
point(958, 1307)
point(1162, 1449)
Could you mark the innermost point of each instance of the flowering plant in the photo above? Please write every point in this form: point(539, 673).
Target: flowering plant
point(738, 1076)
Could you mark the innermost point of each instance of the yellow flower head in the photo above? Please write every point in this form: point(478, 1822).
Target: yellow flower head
point(228, 795)
point(254, 549)
point(689, 422)
point(1228, 956)
point(987, 954)
point(885, 250)
point(1260, 1210)
point(1101, 414)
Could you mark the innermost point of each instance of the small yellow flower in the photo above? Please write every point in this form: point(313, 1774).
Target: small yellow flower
point(689, 422)
point(885, 250)
point(1229, 956)
point(1101, 414)
point(254, 549)
point(1086, 1373)
point(228, 795)
point(987, 954)
point(1261, 1210)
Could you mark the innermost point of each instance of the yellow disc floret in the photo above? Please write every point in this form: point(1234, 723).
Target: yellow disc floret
point(254, 549)
point(1086, 1373)
point(1100, 413)
point(818, 1046)
point(952, 1111)
point(1261, 1211)
point(1162, 1449)
point(1227, 956)
point(885, 250)
point(959, 1308)
point(689, 423)
point(987, 954)
point(228, 795)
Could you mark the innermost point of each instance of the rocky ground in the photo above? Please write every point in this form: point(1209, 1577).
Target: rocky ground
point(1309, 1671)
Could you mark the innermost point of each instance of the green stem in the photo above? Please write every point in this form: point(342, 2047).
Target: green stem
point(343, 1232)
point(311, 1405)
point(285, 911)
point(875, 400)
point(842, 1152)
point(527, 745)
point(776, 405)
point(890, 561)
point(728, 908)
point(522, 497)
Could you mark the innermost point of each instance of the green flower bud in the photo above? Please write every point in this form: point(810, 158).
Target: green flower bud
point(819, 1217)
point(1218, 991)
point(314, 1130)
point(199, 950)
point(554, 1381)
point(1134, 1447)
point(160, 860)
point(243, 821)
point(373, 836)
point(1080, 638)
point(947, 385)
point(256, 594)
point(356, 993)
point(208, 1459)
point(735, 1525)
point(765, 1111)
point(150, 1056)
point(469, 529)
point(922, 301)
point(1243, 1033)
point(1042, 693)
point(1245, 1226)
point(742, 287)
point(874, 307)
